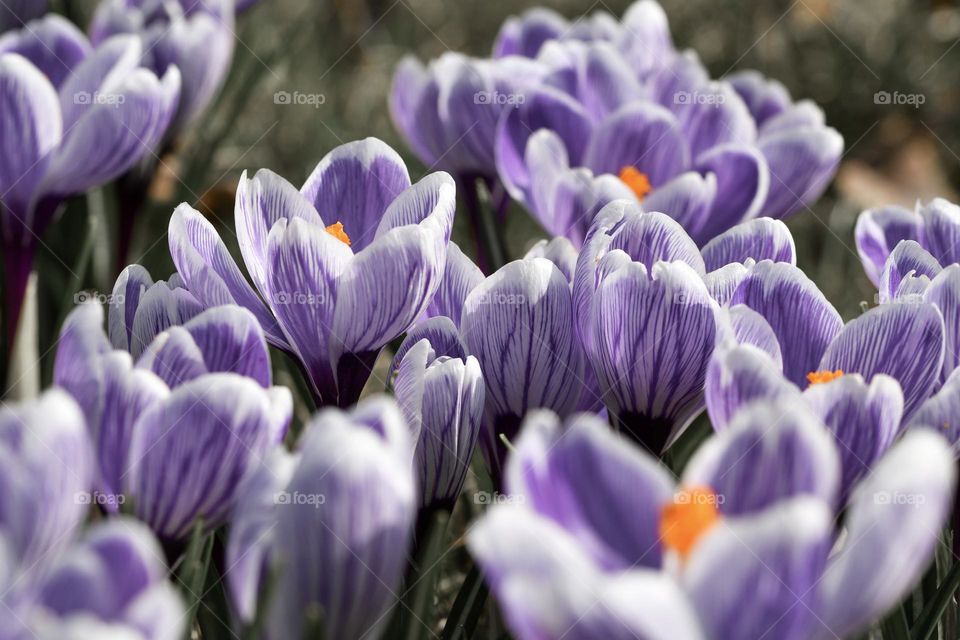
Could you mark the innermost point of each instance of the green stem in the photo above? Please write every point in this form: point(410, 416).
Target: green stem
point(467, 608)
point(929, 618)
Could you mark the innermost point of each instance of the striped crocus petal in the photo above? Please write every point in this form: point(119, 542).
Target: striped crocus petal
point(687, 198)
point(892, 529)
point(743, 183)
point(774, 449)
point(460, 276)
point(940, 232)
point(772, 559)
point(53, 44)
point(653, 336)
point(723, 282)
point(525, 34)
point(222, 339)
point(560, 251)
point(46, 472)
point(799, 314)
point(944, 293)
point(115, 574)
point(162, 305)
point(190, 451)
point(549, 588)
point(444, 338)
point(518, 323)
point(343, 523)
point(907, 272)
point(749, 327)
point(759, 239)
point(603, 490)
point(874, 343)
point(940, 411)
point(878, 231)
point(764, 97)
point(863, 418)
point(738, 375)
point(442, 399)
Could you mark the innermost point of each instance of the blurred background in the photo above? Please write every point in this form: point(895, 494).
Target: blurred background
point(839, 53)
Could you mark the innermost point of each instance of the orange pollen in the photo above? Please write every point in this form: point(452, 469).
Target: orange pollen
point(683, 522)
point(819, 377)
point(336, 230)
point(638, 182)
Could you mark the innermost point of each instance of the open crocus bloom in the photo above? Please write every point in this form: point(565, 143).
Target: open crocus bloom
point(111, 583)
point(342, 267)
point(77, 118)
point(176, 429)
point(676, 141)
point(195, 36)
point(324, 532)
point(601, 542)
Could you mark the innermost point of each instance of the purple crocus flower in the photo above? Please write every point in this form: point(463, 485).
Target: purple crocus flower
point(195, 36)
point(328, 526)
point(677, 141)
point(600, 542)
point(440, 390)
point(111, 583)
point(647, 320)
point(82, 118)
point(16, 13)
point(343, 266)
point(913, 256)
point(196, 406)
point(46, 471)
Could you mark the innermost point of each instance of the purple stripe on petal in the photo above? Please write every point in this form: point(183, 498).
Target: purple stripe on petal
point(723, 282)
point(907, 262)
point(805, 323)
point(688, 199)
point(876, 341)
point(443, 335)
point(759, 239)
point(132, 283)
point(940, 232)
point(743, 183)
point(749, 327)
point(736, 376)
point(878, 231)
point(604, 491)
point(773, 449)
point(460, 276)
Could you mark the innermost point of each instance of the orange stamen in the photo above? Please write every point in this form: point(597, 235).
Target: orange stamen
point(336, 230)
point(683, 522)
point(819, 377)
point(638, 182)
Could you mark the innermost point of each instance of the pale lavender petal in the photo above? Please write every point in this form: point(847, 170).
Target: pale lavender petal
point(190, 451)
point(939, 412)
point(759, 239)
point(863, 418)
point(443, 335)
point(772, 560)
point(738, 375)
point(413, 108)
point(717, 116)
point(777, 291)
point(559, 251)
point(548, 587)
point(460, 276)
point(524, 35)
point(907, 262)
point(774, 449)
point(354, 184)
point(649, 238)
point(723, 282)
point(159, 308)
point(743, 182)
point(605, 492)
point(749, 327)
point(874, 343)
point(764, 97)
point(53, 44)
point(940, 233)
point(131, 284)
point(878, 231)
point(893, 526)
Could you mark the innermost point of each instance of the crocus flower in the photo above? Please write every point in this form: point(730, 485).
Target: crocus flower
point(327, 527)
point(196, 406)
point(46, 472)
point(647, 320)
point(343, 266)
point(448, 111)
point(600, 542)
point(81, 119)
point(912, 256)
point(195, 36)
point(111, 583)
point(677, 141)
point(440, 390)
point(16, 13)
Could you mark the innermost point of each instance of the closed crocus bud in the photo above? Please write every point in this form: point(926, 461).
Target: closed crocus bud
point(190, 450)
point(327, 528)
point(46, 471)
point(110, 584)
point(440, 391)
point(194, 36)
